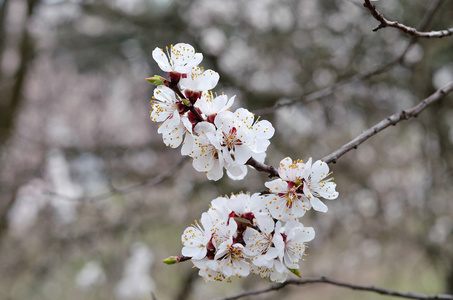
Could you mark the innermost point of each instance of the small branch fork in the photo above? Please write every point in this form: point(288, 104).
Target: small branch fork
point(325, 92)
point(325, 280)
point(410, 30)
point(391, 120)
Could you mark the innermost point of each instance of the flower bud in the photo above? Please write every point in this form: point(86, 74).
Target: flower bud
point(171, 260)
point(156, 80)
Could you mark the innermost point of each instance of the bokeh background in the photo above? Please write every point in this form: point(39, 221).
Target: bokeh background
point(81, 215)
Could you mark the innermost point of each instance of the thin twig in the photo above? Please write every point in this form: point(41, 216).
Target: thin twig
point(410, 30)
point(325, 92)
point(372, 289)
point(391, 120)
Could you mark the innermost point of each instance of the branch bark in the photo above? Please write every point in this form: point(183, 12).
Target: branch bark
point(272, 171)
point(325, 92)
point(391, 120)
point(410, 30)
point(325, 280)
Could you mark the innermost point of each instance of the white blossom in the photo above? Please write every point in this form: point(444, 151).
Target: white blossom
point(181, 59)
point(210, 106)
point(230, 260)
point(206, 152)
point(174, 136)
point(234, 137)
point(262, 131)
point(206, 272)
point(219, 211)
point(166, 108)
point(196, 238)
point(278, 272)
point(316, 185)
point(240, 139)
point(262, 245)
point(286, 200)
point(295, 235)
point(200, 80)
point(244, 203)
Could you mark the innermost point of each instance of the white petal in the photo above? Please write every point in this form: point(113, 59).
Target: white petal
point(187, 145)
point(327, 190)
point(319, 171)
point(264, 129)
point(277, 208)
point(162, 60)
point(204, 127)
point(245, 116)
point(284, 169)
point(242, 154)
point(208, 80)
point(265, 223)
point(194, 252)
point(277, 186)
point(215, 173)
point(241, 267)
point(318, 205)
point(305, 235)
point(237, 172)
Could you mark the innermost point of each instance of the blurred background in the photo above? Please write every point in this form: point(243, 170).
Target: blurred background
point(82, 213)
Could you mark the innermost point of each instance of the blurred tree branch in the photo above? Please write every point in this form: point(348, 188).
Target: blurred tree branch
point(360, 76)
point(410, 30)
point(3, 10)
point(132, 188)
point(391, 120)
point(11, 104)
point(372, 289)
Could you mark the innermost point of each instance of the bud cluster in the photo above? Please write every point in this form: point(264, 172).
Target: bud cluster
point(244, 233)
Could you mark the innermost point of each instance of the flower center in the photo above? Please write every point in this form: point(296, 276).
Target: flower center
point(230, 139)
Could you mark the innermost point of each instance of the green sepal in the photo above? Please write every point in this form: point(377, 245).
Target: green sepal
point(186, 102)
point(243, 221)
point(296, 272)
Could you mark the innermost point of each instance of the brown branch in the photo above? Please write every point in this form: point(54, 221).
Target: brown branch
point(358, 77)
point(372, 289)
point(262, 167)
point(391, 120)
point(429, 15)
point(410, 30)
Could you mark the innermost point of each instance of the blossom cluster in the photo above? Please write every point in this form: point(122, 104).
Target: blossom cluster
point(236, 237)
point(242, 234)
point(260, 233)
point(192, 115)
